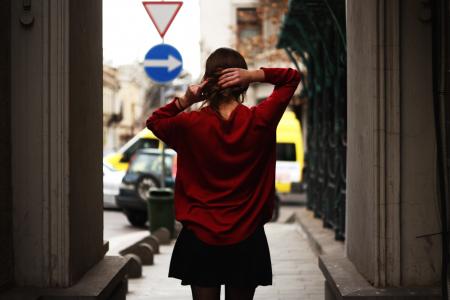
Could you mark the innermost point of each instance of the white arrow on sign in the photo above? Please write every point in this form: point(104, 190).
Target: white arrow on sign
point(171, 63)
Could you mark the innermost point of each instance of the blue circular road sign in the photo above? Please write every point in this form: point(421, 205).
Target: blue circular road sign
point(163, 63)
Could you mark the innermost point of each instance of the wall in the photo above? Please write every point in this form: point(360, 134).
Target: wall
point(215, 27)
point(6, 250)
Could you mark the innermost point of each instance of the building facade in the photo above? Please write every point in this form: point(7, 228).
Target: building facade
point(249, 26)
point(125, 91)
point(111, 108)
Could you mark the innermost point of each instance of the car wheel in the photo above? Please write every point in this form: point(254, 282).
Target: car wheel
point(136, 218)
point(276, 209)
point(144, 184)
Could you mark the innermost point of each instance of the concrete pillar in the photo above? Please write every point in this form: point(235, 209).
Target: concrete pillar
point(55, 80)
point(391, 174)
point(373, 140)
point(39, 126)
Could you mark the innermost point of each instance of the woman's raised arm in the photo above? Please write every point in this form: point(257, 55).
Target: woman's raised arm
point(272, 108)
point(240, 77)
point(166, 121)
point(285, 80)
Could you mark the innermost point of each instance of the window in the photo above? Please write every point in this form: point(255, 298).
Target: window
point(142, 163)
point(139, 144)
point(248, 31)
point(149, 143)
point(286, 151)
point(151, 163)
point(156, 167)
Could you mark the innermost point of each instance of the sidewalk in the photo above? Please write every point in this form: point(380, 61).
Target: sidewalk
point(295, 271)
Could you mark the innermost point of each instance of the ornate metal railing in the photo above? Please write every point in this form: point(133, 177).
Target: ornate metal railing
point(314, 31)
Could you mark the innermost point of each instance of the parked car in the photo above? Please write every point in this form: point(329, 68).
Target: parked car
point(144, 139)
point(112, 179)
point(144, 172)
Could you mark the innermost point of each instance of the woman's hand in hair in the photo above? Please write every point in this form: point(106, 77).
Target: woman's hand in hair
point(239, 77)
point(193, 94)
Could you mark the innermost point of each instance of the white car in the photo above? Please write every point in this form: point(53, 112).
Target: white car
point(111, 182)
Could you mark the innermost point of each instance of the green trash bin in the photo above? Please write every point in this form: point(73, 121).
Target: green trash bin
point(161, 211)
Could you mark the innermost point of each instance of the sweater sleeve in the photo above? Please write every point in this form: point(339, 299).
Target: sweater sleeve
point(286, 81)
point(165, 123)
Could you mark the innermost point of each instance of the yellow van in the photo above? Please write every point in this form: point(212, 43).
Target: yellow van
point(144, 139)
point(289, 164)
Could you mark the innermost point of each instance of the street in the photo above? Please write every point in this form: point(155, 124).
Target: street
point(295, 271)
point(116, 225)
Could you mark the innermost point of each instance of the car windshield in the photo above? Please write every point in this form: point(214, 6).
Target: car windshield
point(107, 168)
point(150, 163)
point(286, 151)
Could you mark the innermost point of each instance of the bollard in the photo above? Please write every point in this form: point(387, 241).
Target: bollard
point(152, 241)
point(134, 266)
point(143, 250)
point(163, 235)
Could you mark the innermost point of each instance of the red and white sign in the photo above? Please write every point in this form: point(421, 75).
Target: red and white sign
point(162, 13)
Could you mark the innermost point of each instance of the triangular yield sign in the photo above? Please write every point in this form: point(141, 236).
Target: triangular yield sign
point(162, 13)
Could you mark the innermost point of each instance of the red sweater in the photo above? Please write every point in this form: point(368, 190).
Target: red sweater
point(226, 168)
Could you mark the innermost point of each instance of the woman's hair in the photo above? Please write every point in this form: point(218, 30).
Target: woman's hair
point(222, 58)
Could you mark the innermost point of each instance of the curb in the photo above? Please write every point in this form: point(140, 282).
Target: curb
point(313, 243)
point(320, 239)
point(141, 247)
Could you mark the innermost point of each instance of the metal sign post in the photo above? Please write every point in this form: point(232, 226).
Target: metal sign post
point(163, 63)
point(163, 152)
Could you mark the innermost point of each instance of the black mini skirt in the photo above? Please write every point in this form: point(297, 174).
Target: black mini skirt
point(244, 264)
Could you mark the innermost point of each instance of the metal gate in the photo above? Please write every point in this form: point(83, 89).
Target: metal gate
point(313, 33)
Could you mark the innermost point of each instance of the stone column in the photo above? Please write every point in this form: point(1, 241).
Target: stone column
point(40, 143)
point(56, 151)
point(391, 165)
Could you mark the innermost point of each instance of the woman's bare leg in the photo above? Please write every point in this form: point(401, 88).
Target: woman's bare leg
point(205, 293)
point(239, 293)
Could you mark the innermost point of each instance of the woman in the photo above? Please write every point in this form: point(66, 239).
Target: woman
point(225, 175)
